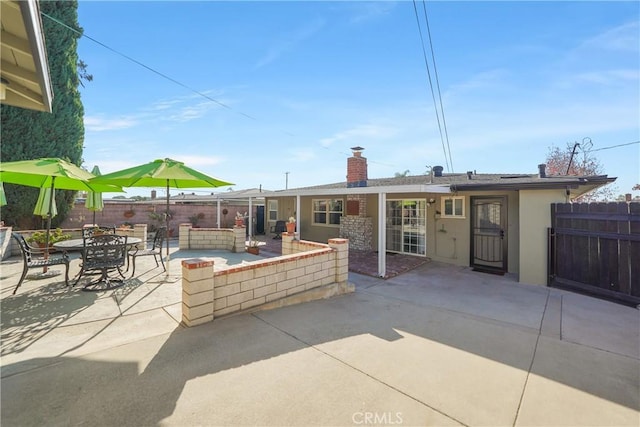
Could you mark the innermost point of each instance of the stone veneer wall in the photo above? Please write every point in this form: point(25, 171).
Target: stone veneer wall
point(359, 231)
point(306, 271)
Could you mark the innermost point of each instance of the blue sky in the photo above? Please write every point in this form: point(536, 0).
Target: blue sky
point(291, 86)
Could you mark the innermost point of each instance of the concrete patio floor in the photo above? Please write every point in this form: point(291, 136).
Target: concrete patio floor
point(438, 345)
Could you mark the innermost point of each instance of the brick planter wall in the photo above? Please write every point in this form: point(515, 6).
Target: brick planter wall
point(309, 271)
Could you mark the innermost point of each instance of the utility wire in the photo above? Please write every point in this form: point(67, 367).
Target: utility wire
point(614, 146)
point(435, 105)
point(174, 80)
point(135, 61)
point(435, 71)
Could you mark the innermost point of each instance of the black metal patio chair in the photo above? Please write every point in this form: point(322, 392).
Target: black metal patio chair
point(155, 250)
point(34, 258)
point(279, 228)
point(102, 255)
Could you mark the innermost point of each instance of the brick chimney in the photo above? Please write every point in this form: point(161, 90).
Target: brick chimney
point(153, 194)
point(356, 169)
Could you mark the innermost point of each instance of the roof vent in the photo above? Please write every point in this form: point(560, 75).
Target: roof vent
point(469, 174)
point(542, 170)
point(437, 170)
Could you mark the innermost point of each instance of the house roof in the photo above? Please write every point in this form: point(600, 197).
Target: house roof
point(26, 82)
point(254, 193)
point(453, 182)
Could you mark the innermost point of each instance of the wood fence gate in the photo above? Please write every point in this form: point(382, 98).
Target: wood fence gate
point(595, 248)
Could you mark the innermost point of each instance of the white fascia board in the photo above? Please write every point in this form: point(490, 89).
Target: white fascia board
point(35, 32)
point(420, 188)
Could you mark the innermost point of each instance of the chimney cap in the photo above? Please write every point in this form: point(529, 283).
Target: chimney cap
point(357, 148)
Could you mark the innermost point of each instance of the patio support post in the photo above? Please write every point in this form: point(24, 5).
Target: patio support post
point(250, 223)
point(218, 212)
point(298, 216)
point(382, 234)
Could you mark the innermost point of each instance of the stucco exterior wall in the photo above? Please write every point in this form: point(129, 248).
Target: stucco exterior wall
point(535, 218)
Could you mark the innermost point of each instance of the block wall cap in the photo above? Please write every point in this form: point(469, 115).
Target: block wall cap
point(192, 264)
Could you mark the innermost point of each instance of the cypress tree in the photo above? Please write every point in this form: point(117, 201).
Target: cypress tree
point(28, 134)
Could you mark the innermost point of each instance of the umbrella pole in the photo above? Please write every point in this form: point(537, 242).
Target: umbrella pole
point(167, 224)
point(46, 240)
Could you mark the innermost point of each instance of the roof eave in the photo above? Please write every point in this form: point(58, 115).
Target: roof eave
point(418, 188)
point(589, 182)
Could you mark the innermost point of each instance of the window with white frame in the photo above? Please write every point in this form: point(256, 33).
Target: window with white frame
point(327, 211)
point(273, 210)
point(453, 207)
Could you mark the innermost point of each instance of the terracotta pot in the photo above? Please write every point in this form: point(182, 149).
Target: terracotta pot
point(291, 227)
point(239, 222)
point(253, 250)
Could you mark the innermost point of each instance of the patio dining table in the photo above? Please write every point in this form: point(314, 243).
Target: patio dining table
point(101, 257)
point(78, 244)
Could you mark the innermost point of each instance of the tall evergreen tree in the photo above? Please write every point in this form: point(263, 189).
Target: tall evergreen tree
point(28, 134)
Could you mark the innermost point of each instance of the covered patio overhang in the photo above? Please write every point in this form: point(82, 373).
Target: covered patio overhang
point(250, 195)
point(381, 191)
point(26, 82)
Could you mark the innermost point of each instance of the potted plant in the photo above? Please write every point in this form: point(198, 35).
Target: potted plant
point(193, 219)
point(239, 219)
point(253, 247)
point(39, 238)
point(291, 225)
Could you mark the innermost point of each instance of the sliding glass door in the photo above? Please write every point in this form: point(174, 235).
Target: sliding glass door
point(406, 226)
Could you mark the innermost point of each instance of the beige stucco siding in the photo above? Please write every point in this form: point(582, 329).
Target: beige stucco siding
point(535, 218)
point(449, 239)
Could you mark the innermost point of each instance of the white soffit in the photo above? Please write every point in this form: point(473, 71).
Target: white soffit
point(26, 82)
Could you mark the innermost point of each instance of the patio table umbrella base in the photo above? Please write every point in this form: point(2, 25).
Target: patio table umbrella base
point(43, 275)
point(104, 283)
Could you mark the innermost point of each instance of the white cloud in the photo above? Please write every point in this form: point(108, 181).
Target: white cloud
point(621, 38)
point(100, 124)
point(369, 11)
point(609, 77)
point(360, 133)
point(290, 41)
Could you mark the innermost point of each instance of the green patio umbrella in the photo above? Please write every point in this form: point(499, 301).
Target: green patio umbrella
point(44, 206)
point(160, 173)
point(94, 200)
point(51, 173)
point(3, 197)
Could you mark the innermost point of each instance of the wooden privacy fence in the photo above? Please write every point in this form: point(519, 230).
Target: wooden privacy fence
point(595, 247)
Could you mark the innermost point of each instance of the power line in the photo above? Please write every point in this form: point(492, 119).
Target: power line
point(615, 146)
point(426, 63)
point(171, 79)
point(435, 71)
point(135, 61)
